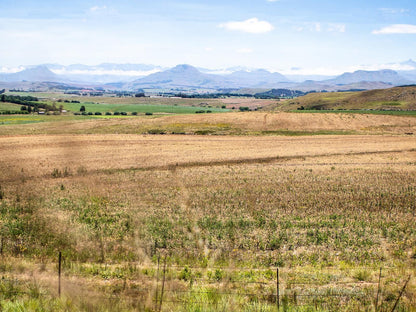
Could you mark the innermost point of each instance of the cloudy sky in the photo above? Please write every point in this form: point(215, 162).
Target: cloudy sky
point(304, 36)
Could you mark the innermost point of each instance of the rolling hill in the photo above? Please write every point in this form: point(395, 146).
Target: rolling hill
point(397, 98)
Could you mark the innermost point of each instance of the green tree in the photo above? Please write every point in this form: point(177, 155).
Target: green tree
point(82, 109)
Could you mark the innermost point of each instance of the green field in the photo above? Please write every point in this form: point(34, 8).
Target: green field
point(139, 108)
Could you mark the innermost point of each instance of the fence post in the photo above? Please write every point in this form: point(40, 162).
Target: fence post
point(157, 283)
point(59, 273)
point(277, 290)
point(378, 290)
point(163, 284)
point(400, 295)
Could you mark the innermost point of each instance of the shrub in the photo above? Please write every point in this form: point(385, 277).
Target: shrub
point(148, 114)
point(108, 114)
point(156, 131)
point(134, 113)
point(97, 113)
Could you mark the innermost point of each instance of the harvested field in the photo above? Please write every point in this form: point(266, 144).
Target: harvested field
point(254, 123)
point(40, 155)
point(225, 210)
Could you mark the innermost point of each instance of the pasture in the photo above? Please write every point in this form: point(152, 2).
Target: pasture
point(225, 210)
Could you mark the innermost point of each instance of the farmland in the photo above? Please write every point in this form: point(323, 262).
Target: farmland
point(224, 199)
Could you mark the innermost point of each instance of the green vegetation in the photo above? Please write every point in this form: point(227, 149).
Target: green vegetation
point(224, 230)
point(399, 98)
point(139, 108)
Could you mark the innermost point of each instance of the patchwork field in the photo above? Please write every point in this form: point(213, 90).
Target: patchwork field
point(203, 222)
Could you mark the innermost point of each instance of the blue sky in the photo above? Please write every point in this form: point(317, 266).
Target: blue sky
point(290, 36)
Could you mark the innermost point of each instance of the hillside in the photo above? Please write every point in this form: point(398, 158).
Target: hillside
point(398, 98)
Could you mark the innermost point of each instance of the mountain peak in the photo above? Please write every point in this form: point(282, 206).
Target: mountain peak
point(184, 68)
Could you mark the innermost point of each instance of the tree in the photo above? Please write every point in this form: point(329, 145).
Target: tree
point(82, 109)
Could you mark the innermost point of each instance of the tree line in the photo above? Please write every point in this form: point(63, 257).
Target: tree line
point(29, 101)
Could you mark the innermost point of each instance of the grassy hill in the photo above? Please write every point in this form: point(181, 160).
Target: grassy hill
point(398, 98)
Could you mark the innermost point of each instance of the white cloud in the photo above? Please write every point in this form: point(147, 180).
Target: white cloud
point(272, 0)
point(396, 29)
point(11, 70)
point(393, 11)
point(252, 26)
point(96, 8)
point(321, 27)
point(64, 71)
point(244, 51)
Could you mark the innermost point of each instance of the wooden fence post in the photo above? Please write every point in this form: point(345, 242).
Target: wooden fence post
point(277, 290)
point(163, 284)
point(157, 283)
point(378, 290)
point(400, 295)
point(59, 273)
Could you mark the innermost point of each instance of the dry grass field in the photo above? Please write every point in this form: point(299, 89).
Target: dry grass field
point(225, 210)
point(251, 123)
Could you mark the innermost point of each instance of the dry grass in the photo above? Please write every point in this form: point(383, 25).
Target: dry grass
point(39, 155)
point(325, 209)
point(223, 124)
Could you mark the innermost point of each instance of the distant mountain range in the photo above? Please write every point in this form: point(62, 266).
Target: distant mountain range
point(187, 78)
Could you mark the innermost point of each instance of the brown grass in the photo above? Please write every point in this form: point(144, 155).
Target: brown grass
point(230, 123)
point(320, 207)
point(40, 155)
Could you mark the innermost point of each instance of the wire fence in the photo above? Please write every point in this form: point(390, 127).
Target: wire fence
point(276, 288)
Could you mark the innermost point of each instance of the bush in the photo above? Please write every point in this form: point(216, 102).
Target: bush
point(156, 131)
point(134, 113)
point(108, 114)
point(97, 113)
point(148, 114)
point(116, 113)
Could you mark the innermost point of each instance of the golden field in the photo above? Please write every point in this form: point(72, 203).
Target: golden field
point(226, 210)
point(252, 123)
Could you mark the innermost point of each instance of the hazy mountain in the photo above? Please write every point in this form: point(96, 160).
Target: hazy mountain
point(409, 63)
point(191, 77)
point(35, 74)
point(137, 76)
point(257, 78)
point(303, 78)
point(181, 76)
point(385, 75)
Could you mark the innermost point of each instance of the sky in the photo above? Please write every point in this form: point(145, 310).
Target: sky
point(288, 36)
